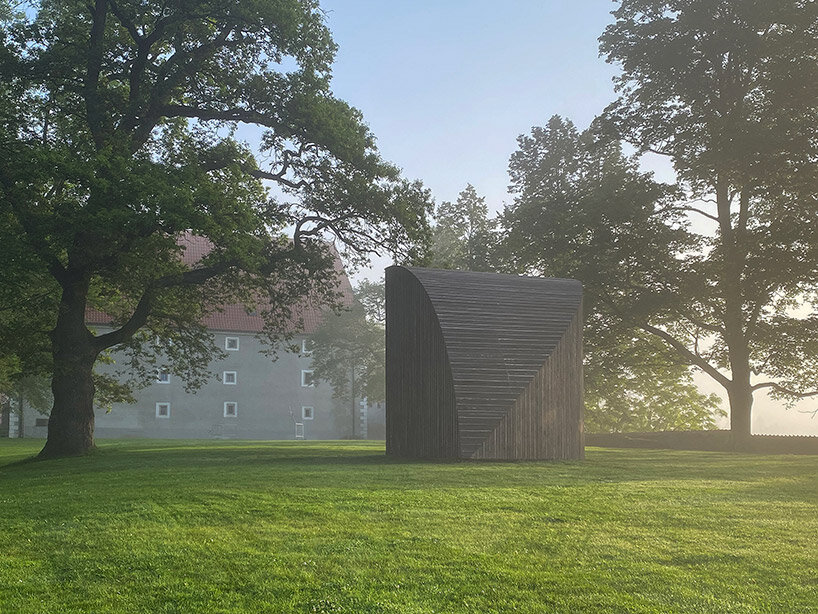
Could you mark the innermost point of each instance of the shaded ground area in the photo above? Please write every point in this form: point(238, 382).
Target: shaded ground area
point(185, 526)
point(712, 441)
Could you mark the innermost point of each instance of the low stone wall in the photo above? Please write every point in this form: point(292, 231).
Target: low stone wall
point(713, 441)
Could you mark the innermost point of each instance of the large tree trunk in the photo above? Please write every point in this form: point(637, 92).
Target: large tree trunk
point(741, 405)
point(740, 392)
point(71, 425)
point(21, 430)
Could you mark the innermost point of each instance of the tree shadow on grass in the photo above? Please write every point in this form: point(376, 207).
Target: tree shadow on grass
point(179, 473)
point(606, 464)
point(355, 465)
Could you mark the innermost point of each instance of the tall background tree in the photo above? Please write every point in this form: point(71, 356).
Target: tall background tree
point(463, 236)
point(118, 136)
point(349, 349)
point(722, 267)
point(728, 91)
point(584, 210)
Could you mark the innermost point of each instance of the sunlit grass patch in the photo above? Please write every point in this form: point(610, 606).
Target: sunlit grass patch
point(192, 526)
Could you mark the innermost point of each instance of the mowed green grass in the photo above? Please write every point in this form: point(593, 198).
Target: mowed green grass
point(188, 526)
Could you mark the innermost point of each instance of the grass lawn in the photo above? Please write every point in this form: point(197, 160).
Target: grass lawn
point(189, 526)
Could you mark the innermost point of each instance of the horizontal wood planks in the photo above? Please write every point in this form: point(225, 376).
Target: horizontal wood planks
point(493, 361)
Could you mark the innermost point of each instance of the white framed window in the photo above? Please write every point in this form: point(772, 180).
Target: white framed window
point(307, 379)
point(231, 409)
point(162, 377)
point(163, 410)
point(231, 344)
point(307, 413)
point(306, 347)
point(230, 377)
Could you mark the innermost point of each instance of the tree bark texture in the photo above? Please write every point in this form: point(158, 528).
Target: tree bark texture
point(740, 393)
point(71, 424)
point(741, 405)
point(20, 416)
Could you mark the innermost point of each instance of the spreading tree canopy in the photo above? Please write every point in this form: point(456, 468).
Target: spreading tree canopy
point(119, 134)
point(463, 236)
point(728, 91)
point(349, 350)
point(585, 210)
point(722, 269)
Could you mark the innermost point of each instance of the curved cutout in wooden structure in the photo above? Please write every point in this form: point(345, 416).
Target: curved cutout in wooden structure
point(483, 365)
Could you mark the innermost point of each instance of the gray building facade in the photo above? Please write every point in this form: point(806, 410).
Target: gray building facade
point(248, 396)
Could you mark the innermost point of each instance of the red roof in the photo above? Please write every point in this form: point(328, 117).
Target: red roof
point(235, 318)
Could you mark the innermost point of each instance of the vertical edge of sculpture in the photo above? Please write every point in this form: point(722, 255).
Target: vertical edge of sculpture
point(483, 365)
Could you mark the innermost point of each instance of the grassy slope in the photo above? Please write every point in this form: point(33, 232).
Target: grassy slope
point(170, 526)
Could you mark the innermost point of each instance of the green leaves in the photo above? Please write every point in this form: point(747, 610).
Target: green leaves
point(118, 132)
point(722, 87)
point(464, 236)
point(348, 350)
point(582, 209)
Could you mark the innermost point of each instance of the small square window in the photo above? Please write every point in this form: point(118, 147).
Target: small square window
point(307, 379)
point(162, 377)
point(306, 347)
point(231, 409)
point(307, 413)
point(163, 410)
point(231, 344)
point(229, 377)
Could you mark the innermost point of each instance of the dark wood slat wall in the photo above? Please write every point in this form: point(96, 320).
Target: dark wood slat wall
point(546, 420)
point(421, 419)
point(494, 362)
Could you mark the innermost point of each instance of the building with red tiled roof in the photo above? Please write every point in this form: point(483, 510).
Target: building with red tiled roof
point(249, 396)
point(306, 319)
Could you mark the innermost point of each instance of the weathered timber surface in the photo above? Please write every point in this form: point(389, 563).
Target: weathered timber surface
point(482, 365)
point(421, 421)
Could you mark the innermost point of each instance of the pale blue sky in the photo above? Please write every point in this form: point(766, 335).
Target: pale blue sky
point(448, 86)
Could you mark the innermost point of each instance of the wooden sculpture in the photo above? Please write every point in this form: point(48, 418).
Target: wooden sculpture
point(483, 366)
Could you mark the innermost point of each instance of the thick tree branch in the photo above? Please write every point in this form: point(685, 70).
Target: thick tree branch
point(93, 103)
point(193, 277)
point(279, 178)
point(143, 308)
point(784, 390)
point(236, 114)
point(321, 223)
point(125, 21)
point(174, 70)
point(743, 213)
point(685, 208)
point(755, 313)
point(343, 234)
point(689, 356)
